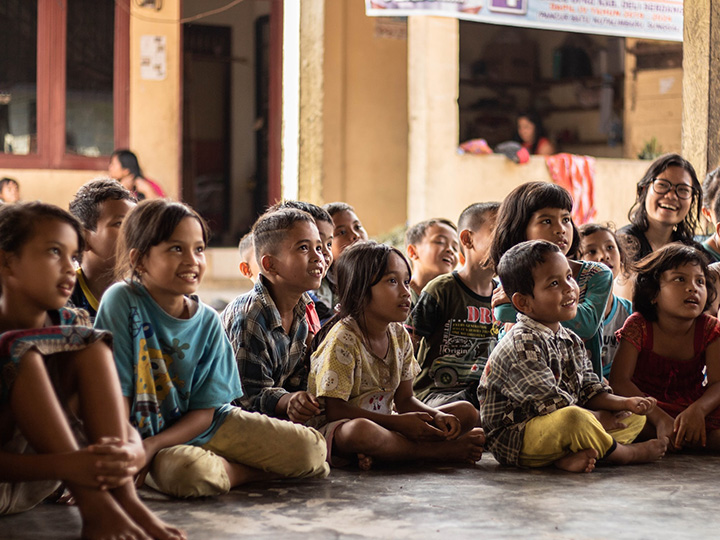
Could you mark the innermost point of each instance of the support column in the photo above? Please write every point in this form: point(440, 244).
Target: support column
point(701, 85)
point(311, 141)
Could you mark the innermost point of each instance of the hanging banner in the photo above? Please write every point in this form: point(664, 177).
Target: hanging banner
point(649, 19)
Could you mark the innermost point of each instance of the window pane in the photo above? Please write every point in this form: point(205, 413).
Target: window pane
point(18, 77)
point(89, 106)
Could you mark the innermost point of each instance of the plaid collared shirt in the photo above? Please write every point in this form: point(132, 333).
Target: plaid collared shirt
point(270, 361)
point(531, 372)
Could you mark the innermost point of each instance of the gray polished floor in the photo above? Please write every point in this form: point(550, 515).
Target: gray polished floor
point(676, 498)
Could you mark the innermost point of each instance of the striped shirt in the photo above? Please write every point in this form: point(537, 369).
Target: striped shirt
point(270, 360)
point(533, 371)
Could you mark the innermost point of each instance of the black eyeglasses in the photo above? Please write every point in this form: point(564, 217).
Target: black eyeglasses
point(661, 187)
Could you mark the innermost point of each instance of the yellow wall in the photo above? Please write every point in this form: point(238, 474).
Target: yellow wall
point(155, 108)
point(366, 118)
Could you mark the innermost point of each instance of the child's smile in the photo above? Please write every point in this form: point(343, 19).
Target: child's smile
point(555, 294)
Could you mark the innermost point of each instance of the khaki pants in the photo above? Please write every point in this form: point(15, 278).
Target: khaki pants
point(248, 438)
point(568, 430)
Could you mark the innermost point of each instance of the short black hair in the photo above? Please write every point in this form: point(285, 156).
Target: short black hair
point(245, 245)
point(270, 229)
point(516, 266)
point(415, 234)
point(6, 180)
point(86, 204)
point(317, 212)
point(337, 207)
point(477, 214)
point(650, 269)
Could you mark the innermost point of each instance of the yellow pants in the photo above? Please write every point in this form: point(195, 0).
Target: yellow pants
point(568, 430)
point(248, 438)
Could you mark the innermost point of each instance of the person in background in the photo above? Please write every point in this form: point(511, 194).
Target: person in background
point(9, 190)
point(532, 135)
point(710, 208)
point(124, 168)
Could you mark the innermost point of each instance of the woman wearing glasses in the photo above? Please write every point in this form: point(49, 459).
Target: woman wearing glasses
point(667, 209)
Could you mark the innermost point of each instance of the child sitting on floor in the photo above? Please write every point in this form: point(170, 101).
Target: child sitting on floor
point(453, 318)
point(177, 370)
point(540, 401)
point(101, 206)
point(598, 243)
point(432, 247)
point(364, 369)
point(53, 367)
point(670, 346)
point(268, 326)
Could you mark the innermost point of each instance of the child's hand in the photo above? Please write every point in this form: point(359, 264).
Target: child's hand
point(499, 297)
point(416, 426)
point(640, 405)
point(448, 423)
point(611, 420)
point(302, 407)
point(99, 466)
point(689, 428)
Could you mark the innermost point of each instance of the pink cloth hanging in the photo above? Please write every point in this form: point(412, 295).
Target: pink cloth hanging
point(577, 175)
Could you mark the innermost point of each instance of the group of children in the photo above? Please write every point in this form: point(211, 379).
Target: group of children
point(344, 351)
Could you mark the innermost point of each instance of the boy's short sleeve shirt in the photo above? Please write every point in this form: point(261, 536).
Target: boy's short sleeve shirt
point(343, 367)
point(168, 366)
point(270, 361)
point(533, 371)
point(458, 334)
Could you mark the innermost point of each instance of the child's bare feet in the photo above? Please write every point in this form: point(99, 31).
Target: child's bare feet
point(127, 497)
point(365, 462)
point(104, 519)
point(644, 452)
point(582, 461)
point(468, 447)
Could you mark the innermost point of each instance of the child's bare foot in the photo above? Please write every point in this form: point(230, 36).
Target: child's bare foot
point(468, 447)
point(127, 497)
point(644, 452)
point(582, 461)
point(104, 519)
point(365, 462)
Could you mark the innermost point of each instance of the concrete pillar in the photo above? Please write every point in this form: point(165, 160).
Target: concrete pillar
point(433, 62)
point(701, 85)
point(311, 141)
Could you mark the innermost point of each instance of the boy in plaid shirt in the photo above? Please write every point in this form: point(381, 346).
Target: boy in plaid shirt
point(540, 401)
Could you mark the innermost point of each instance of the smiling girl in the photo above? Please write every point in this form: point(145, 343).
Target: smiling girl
point(177, 368)
point(667, 208)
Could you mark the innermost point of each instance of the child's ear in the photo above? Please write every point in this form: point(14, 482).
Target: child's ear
point(5, 259)
point(267, 263)
point(522, 302)
point(245, 270)
point(134, 259)
point(466, 238)
point(411, 252)
point(87, 237)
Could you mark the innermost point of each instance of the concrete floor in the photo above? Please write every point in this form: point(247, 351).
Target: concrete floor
point(676, 498)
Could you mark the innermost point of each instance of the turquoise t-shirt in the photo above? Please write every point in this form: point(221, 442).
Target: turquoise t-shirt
point(168, 366)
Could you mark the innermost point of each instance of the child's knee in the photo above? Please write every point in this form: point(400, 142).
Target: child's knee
point(308, 455)
point(464, 411)
point(359, 433)
point(188, 471)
